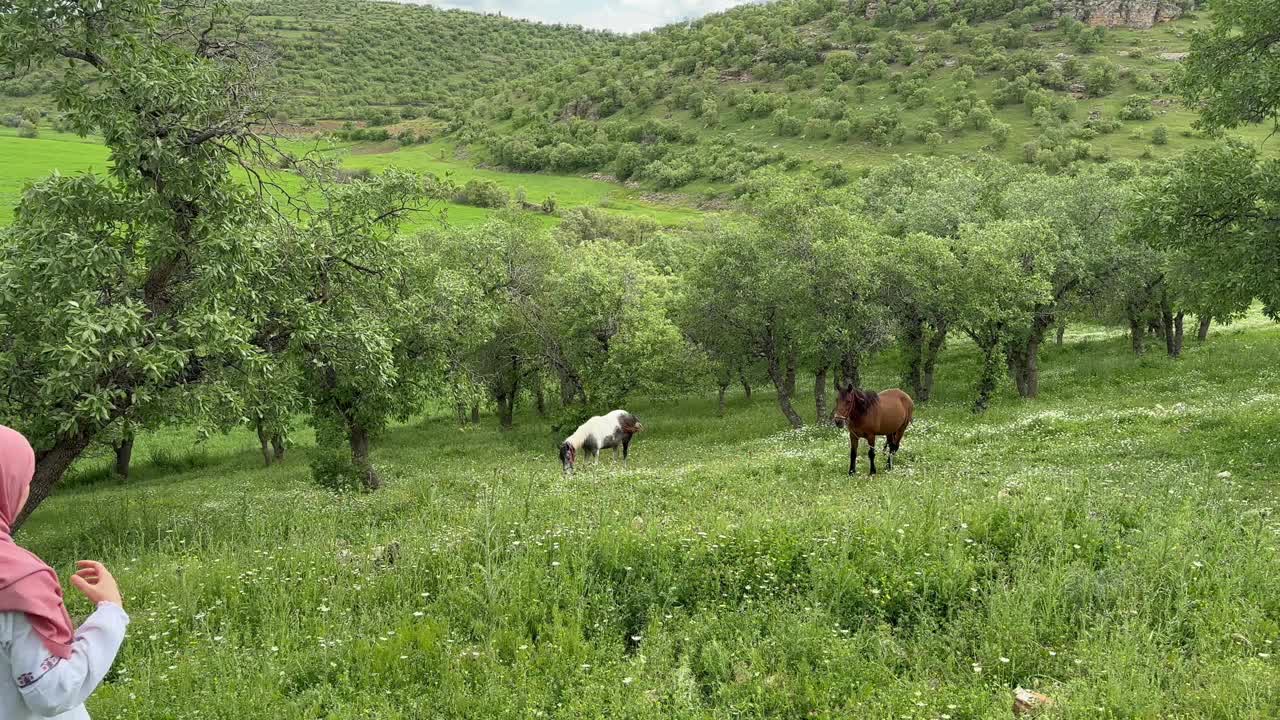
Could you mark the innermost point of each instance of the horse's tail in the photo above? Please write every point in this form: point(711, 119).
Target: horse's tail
point(909, 406)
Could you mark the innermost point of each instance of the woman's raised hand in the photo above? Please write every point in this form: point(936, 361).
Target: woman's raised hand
point(96, 583)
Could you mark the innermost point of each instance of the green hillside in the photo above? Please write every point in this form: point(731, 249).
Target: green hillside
point(802, 84)
point(810, 82)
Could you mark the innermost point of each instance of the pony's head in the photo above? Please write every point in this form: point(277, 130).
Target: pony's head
point(567, 455)
point(852, 403)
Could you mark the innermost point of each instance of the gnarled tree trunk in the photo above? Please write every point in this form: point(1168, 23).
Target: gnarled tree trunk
point(931, 352)
point(746, 385)
point(278, 446)
point(124, 455)
point(358, 436)
point(1175, 338)
point(1137, 334)
point(264, 439)
point(475, 413)
point(820, 395)
point(850, 373)
point(51, 465)
point(723, 387)
point(913, 352)
point(1203, 333)
point(784, 381)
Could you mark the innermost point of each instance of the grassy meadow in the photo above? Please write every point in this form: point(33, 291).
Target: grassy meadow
point(1111, 544)
point(28, 160)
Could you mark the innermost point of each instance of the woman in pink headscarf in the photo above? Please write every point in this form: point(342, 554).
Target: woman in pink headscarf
point(47, 668)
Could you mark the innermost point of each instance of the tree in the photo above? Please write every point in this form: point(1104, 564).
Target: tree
point(117, 291)
point(1101, 77)
point(369, 333)
point(739, 285)
point(1083, 213)
point(1216, 210)
point(919, 272)
point(1230, 73)
point(1002, 279)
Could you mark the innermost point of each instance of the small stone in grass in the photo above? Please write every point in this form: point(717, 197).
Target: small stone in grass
point(1027, 703)
point(1225, 475)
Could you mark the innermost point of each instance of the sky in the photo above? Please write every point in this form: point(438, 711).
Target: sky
point(617, 15)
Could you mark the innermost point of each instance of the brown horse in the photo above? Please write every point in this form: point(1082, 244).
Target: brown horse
point(867, 415)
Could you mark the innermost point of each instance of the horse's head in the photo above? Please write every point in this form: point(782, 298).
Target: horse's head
point(851, 404)
point(567, 455)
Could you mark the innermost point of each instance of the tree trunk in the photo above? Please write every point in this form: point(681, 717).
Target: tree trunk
point(931, 353)
point(124, 454)
point(461, 410)
point(724, 386)
point(988, 376)
point(359, 438)
point(278, 446)
point(51, 465)
point(265, 441)
point(506, 403)
point(539, 397)
point(849, 371)
point(784, 382)
point(1203, 333)
point(1032, 371)
point(1175, 342)
point(913, 351)
point(1136, 335)
point(1024, 356)
point(1166, 324)
point(1061, 333)
point(475, 413)
point(746, 386)
point(820, 395)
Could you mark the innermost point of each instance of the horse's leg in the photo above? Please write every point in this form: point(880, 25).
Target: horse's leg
point(853, 453)
point(626, 449)
point(871, 453)
point(888, 446)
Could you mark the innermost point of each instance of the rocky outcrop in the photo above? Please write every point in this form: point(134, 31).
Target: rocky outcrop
point(1138, 14)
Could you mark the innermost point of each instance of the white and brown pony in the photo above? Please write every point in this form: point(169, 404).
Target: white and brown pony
point(602, 432)
point(867, 414)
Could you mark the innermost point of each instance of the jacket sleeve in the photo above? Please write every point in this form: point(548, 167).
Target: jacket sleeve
point(50, 685)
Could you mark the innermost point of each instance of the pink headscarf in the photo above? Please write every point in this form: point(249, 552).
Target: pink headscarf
point(27, 585)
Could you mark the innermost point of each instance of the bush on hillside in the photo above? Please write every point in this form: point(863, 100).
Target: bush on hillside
point(484, 194)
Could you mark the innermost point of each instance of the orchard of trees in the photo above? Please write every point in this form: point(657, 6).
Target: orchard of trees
point(187, 287)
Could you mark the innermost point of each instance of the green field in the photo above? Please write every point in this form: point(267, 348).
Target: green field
point(27, 160)
point(1089, 544)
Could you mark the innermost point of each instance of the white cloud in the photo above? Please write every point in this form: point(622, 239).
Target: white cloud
point(618, 15)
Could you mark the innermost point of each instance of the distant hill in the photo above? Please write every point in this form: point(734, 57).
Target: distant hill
point(830, 85)
point(815, 82)
point(383, 62)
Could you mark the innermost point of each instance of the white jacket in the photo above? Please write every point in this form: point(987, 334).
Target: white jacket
point(37, 684)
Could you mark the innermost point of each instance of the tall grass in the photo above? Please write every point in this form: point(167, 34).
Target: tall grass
point(1082, 544)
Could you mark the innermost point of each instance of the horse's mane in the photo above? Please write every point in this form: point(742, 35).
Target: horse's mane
point(864, 400)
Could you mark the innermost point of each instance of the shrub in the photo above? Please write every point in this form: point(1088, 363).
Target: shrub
point(1145, 83)
point(816, 129)
point(1000, 133)
point(483, 193)
point(785, 124)
point(334, 469)
point(1137, 107)
point(550, 204)
point(1101, 77)
point(28, 130)
point(834, 174)
point(1160, 136)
